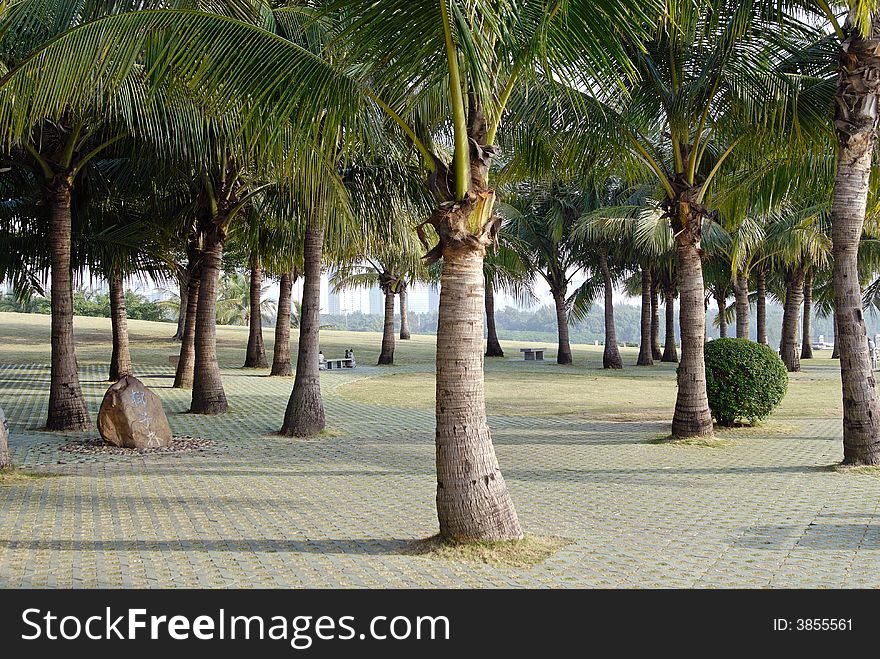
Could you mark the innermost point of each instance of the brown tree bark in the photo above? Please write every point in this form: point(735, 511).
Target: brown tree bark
point(404, 314)
point(611, 353)
point(183, 376)
point(670, 351)
point(721, 303)
point(563, 352)
point(856, 119)
point(120, 360)
point(281, 365)
point(472, 498)
point(656, 352)
point(181, 313)
point(741, 295)
point(761, 306)
point(208, 396)
point(67, 407)
point(386, 356)
point(692, 417)
point(791, 314)
point(646, 354)
point(835, 351)
point(5, 455)
point(807, 329)
point(473, 503)
point(304, 415)
point(255, 357)
point(493, 346)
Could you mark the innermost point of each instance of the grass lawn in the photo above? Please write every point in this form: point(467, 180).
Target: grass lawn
point(512, 388)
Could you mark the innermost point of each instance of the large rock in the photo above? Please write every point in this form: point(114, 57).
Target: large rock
point(131, 416)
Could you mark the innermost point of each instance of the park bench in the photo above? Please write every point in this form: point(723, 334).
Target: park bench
point(173, 360)
point(533, 354)
point(342, 362)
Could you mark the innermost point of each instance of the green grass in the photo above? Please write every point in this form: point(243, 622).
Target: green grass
point(700, 442)
point(14, 476)
point(633, 394)
point(513, 387)
point(528, 552)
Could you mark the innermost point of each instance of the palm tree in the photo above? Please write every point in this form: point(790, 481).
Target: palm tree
point(59, 149)
point(5, 456)
point(387, 261)
point(856, 118)
point(451, 74)
point(542, 218)
point(710, 86)
point(504, 270)
point(281, 354)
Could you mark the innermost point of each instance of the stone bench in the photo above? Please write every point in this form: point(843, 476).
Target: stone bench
point(343, 362)
point(533, 354)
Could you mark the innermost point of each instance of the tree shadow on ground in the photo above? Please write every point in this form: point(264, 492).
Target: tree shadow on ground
point(813, 537)
point(353, 546)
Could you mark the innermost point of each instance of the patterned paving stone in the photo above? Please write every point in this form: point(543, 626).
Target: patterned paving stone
point(260, 510)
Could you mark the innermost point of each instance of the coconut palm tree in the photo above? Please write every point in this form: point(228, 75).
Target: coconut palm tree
point(504, 270)
point(711, 86)
point(454, 68)
point(58, 147)
point(856, 119)
point(542, 218)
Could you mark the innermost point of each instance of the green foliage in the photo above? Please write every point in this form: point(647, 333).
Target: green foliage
point(744, 380)
point(90, 303)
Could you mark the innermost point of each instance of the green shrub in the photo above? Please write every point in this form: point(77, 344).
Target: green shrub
point(745, 380)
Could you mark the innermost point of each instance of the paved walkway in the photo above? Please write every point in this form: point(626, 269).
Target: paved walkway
point(261, 510)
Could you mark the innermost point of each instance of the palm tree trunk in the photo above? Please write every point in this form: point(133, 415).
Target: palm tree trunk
point(656, 352)
point(5, 456)
point(611, 354)
point(645, 352)
point(208, 396)
point(120, 361)
point(386, 356)
point(721, 302)
point(857, 117)
point(493, 346)
point(835, 351)
point(670, 352)
point(472, 498)
point(181, 311)
point(255, 357)
point(281, 365)
point(807, 330)
point(404, 315)
point(183, 377)
point(761, 306)
point(791, 312)
point(563, 353)
point(304, 415)
point(692, 417)
point(741, 295)
point(67, 407)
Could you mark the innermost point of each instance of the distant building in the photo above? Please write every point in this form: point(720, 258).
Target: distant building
point(418, 298)
point(433, 297)
point(377, 301)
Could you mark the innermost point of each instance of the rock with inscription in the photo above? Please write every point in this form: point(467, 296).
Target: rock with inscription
point(131, 416)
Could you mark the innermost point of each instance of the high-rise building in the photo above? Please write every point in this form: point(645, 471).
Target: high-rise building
point(433, 297)
point(377, 301)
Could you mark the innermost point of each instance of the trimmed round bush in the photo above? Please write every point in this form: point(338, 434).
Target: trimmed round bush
point(745, 380)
